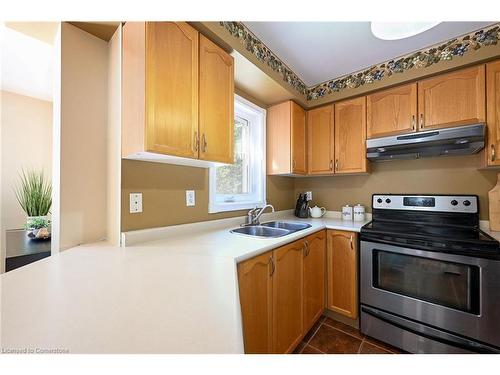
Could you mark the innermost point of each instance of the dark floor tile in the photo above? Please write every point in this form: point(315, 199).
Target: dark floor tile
point(383, 345)
point(313, 330)
point(344, 328)
point(367, 348)
point(299, 347)
point(310, 350)
point(330, 340)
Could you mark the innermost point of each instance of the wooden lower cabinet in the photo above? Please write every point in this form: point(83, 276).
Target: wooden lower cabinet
point(255, 285)
point(282, 294)
point(342, 272)
point(287, 297)
point(314, 278)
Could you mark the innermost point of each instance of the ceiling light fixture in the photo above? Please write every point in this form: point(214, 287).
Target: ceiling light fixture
point(400, 30)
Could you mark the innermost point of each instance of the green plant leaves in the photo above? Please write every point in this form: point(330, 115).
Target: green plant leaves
point(34, 193)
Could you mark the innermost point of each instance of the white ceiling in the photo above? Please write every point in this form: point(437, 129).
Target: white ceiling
point(27, 64)
point(319, 51)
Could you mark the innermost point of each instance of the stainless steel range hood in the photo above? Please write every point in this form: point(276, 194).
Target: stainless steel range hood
point(462, 140)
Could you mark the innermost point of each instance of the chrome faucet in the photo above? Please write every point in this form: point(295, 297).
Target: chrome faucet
point(255, 213)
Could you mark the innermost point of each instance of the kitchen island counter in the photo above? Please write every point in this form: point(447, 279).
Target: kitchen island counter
point(177, 293)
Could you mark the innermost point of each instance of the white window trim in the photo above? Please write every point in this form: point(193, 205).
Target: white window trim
point(242, 105)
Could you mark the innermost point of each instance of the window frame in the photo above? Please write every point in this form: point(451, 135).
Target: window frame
point(252, 113)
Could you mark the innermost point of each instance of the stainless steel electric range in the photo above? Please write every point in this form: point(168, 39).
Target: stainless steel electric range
point(430, 278)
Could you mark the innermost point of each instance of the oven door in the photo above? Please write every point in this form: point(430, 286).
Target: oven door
point(450, 292)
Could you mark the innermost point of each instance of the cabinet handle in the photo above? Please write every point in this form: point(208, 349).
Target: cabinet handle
point(196, 142)
point(421, 120)
point(493, 153)
point(352, 246)
point(331, 165)
point(273, 267)
point(293, 164)
point(204, 143)
point(306, 248)
point(337, 165)
point(413, 122)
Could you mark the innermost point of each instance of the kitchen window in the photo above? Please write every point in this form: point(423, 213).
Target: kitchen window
point(242, 185)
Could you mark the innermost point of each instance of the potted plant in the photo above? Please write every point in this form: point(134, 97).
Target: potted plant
point(34, 194)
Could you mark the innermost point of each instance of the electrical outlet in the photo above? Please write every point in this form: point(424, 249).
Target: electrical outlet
point(190, 198)
point(309, 195)
point(135, 203)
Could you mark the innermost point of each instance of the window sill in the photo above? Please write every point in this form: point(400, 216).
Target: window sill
point(236, 206)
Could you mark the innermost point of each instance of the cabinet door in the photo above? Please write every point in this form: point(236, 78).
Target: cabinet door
point(171, 88)
point(350, 136)
point(314, 278)
point(320, 133)
point(216, 103)
point(452, 99)
point(278, 139)
point(392, 111)
point(342, 272)
point(493, 112)
point(255, 286)
point(299, 145)
point(287, 297)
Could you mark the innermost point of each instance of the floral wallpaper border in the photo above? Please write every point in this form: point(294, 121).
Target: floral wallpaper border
point(420, 59)
point(264, 54)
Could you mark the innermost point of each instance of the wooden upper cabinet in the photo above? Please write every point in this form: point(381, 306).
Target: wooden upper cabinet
point(342, 272)
point(171, 88)
point(320, 134)
point(452, 99)
point(493, 112)
point(278, 136)
point(350, 136)
point(286, 139)
point(287, 297)
point(216, 103)
point(314, 278)
point(392, 111)
point(299, 144)
point(255, 287)
point(177, 94)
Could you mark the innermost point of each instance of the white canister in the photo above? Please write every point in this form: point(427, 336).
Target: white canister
point(359, 212)
point(347, 212)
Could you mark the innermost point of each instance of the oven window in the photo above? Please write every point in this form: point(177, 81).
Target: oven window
point(444, 283)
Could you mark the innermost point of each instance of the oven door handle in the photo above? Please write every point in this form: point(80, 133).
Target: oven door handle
point(429, 332)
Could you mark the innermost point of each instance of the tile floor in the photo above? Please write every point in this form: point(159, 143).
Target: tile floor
point(328, 336)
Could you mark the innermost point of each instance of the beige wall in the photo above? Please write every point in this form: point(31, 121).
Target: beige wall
point(26, 143)
point(452, 175)
point(163, 187)
point(114, 138)
point(164, 199)
point(83, 137)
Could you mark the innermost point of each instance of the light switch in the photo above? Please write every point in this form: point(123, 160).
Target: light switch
point(135, 203)
point(190, 198)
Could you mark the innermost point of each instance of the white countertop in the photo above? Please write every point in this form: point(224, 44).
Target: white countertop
point(177, 293)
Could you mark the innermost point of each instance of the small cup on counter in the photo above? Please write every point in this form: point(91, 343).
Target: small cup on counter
point(359, 212)
point(347, 213)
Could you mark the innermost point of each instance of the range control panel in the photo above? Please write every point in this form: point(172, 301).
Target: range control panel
point(438, 203)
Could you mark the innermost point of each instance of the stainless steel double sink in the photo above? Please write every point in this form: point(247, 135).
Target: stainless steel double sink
point(271, 229)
